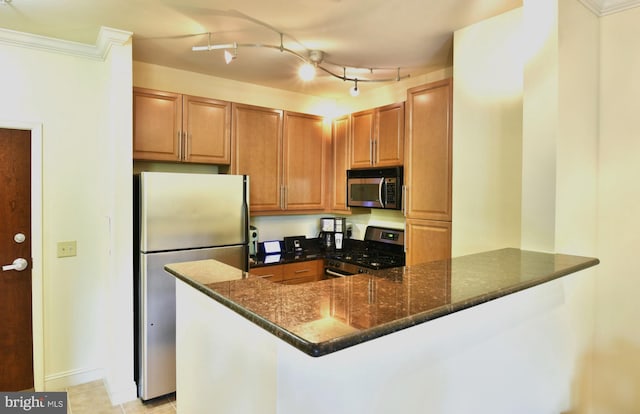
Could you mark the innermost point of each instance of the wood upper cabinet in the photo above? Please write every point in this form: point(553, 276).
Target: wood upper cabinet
point(362, 136)
point(207, 130)
point(305, 162)
point(173, 127)
point(157, 125)
point(285, 155)
point(377, 137)
point(389, 148)
point(340, 163)
point(257, 140)
point(428, 152)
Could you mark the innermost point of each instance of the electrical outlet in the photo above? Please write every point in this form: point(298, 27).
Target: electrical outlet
point(67, 248)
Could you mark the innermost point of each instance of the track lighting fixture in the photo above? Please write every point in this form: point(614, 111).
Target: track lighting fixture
point(354, 91)
point(307, 71)
point(229, 56)
point(311, 63)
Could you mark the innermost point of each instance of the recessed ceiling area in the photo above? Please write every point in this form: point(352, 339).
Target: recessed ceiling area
point(382, 38)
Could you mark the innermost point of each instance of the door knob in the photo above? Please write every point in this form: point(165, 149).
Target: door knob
point(19, 265)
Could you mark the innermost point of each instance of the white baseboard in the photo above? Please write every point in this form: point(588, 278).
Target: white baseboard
point(121, 392)
point(118, 392)
point(61, 380)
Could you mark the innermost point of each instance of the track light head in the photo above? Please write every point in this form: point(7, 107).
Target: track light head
point(307, 71)
point(354, 91)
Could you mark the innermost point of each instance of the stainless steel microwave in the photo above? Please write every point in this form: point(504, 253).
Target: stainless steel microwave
point(375, 188)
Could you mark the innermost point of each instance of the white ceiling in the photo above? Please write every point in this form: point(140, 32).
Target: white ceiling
point(415, 35)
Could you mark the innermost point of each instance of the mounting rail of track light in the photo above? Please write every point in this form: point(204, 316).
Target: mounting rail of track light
point(311, 62)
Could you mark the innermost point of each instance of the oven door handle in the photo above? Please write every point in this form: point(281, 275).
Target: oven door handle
point(336, 274)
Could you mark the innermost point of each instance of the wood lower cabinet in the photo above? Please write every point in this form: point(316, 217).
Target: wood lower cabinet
point(257, 140)
point(377, 137)
point(273, 273)
point(339, 163)
point(303, 272)
point(172, 127)
point(427, 240)
point(291, 273)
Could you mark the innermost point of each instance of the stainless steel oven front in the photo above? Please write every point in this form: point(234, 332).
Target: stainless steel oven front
point(335, 268)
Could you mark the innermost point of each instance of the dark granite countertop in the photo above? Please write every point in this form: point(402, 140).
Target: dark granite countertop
point(329, 315)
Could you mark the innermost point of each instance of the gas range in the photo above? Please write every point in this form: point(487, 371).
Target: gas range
point(382, 248)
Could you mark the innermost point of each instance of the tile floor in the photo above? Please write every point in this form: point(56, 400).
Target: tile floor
point(92, 398)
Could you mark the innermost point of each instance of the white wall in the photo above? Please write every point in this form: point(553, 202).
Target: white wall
point(617, 357)
point(557, 119)
point(487, 134)
point(77, 97)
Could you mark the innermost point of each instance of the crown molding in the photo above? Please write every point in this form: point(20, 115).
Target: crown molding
point(606, 7)
point(107, 37)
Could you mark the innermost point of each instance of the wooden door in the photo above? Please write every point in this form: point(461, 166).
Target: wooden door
point(427, 240)
point(207, 126)
point(306, 152)
point(16, 332)
point(428, 151)
point(157, 125)
point(362, 130)
point(340, 163)
point(257, 142)
point(389, 141)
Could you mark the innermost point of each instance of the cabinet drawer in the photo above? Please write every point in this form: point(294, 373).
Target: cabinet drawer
point(309, 269)
point(300, 280)
point(273, 273)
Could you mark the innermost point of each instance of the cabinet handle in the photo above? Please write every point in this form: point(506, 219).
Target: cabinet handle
point(404, 200)
point(371, 141)
point(282, 197)
point(302, 271)
point(186, 145)
point(179, 145)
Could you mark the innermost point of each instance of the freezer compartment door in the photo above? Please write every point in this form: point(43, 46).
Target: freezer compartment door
point(156, 313)
point(182, 211)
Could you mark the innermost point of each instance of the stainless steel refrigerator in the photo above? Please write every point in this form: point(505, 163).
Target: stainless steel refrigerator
point(179, 217)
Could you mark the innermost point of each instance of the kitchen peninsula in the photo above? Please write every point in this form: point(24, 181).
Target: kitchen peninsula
point(246, 345)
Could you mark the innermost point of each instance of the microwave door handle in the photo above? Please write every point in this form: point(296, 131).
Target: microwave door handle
point(380, 193)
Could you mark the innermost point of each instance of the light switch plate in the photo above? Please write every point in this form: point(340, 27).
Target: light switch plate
point(67, 248)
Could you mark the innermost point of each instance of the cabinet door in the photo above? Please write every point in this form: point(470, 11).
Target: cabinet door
point(157, 125)
point(306, 155)
point(362, 130)
point(427, 240)
point(428, 152)
point(389, 141)
point(257, 141)
point(207, 126)
point(340, 163)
